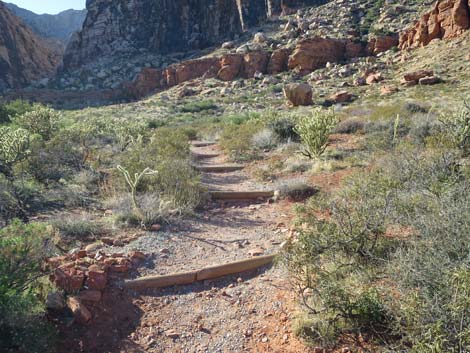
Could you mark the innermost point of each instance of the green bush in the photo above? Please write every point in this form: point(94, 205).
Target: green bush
point(23, 247)
point(315, 130)
point(457, 126)
point(11, 110)
point(237, 141)
point(391, 259)
point(284, 128)
point(197, 107)
point(174, 189)
point(42, 121)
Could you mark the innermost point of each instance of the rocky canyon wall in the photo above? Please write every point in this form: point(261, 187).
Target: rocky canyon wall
point(24, 57)
point(166, 26)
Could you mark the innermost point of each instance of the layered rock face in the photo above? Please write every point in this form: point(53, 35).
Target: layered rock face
point(165, 26)
point(24, 57)
point(308, 55)
point(447, 19)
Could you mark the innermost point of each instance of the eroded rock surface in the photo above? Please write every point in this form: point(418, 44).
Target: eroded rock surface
point(24, 57)
point(447, 19)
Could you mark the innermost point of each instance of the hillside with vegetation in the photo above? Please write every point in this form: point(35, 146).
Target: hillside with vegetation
point(303, 187)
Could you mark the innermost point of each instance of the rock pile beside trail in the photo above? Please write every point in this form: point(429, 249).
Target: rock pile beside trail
point(84, 275)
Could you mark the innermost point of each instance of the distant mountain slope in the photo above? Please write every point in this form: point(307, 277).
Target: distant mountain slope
point(24, 56)
point(59, 27)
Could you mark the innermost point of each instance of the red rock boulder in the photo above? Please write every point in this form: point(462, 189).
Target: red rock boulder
point(298, 94)
point(80, 311)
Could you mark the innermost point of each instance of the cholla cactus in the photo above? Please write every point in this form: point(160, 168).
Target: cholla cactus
point(315, 130)
point(14, 146)
point(127, 133)
point(133, 183)
point(42, 121)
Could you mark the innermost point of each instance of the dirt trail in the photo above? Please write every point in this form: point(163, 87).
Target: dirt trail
point(244, 313)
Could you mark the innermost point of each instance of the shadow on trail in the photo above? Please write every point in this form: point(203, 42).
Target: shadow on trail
point(118, 316)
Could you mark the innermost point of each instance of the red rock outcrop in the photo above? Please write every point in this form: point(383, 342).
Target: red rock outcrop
point(314, 53)
point(381, 44)
point(309, 55)
point(24, 57)
point(279, 60)
point(447, 19)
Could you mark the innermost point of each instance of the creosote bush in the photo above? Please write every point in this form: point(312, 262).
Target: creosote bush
point(387, 256)
point(23, 247)
point(315, 130)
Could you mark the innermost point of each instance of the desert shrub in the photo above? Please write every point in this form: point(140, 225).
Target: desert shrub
point(75, 227)
point(42, 121)
point(14, 149)
point(237, 140)
point(350, 126)
point(415, 108)
point(13, 109)
point(422, 127)
point(457, 127)
point(264, 140)
point(387, 255)
point(315, 130)
point(284, 128)
point(169, 177)
point(58, 158)
point(197, 107)
point(23, 247)
point(386, 134)
point(295, 189)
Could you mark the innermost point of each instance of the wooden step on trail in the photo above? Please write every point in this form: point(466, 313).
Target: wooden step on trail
point(240, 195)
point(203, 274)
point(225, 168)
point(204, 155)
point(202, 143)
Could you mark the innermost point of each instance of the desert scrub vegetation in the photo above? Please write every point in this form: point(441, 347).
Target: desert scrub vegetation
point(386, 256)
point(23, 248)
point(158, 178)
point(11, 110)
point(315, 130)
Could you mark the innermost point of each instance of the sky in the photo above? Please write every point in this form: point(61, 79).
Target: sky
point(49, 6)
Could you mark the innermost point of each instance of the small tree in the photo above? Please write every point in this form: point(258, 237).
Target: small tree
point(315, 130)
point(42, 121)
